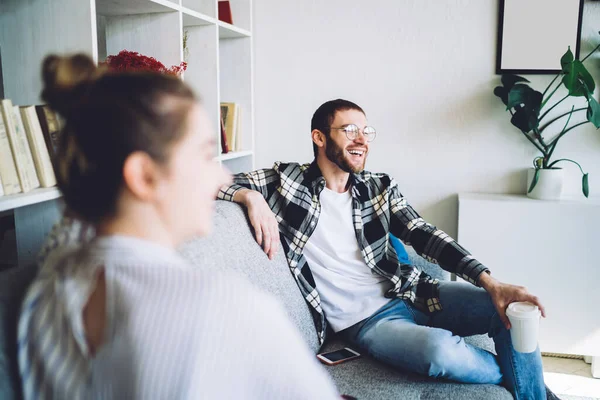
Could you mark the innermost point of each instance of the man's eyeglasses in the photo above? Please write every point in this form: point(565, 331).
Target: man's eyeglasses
point(352, 132)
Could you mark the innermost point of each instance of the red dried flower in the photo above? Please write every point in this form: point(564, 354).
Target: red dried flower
point(134, 61)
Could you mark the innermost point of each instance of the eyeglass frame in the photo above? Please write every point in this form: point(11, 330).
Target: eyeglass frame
point(358, 130)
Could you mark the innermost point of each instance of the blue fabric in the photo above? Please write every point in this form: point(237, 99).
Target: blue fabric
point(434, 345)
point(400, 249)
point(13, 284)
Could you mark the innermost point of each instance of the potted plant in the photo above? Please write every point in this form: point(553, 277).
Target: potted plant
point(529, 110)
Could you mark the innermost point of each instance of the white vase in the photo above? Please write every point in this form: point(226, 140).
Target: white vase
point(549, 185)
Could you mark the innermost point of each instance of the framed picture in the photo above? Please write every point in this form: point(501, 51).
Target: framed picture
point(534, 34)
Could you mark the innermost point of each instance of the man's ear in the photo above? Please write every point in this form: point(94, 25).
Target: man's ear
point(141, 175)
point(318, 138)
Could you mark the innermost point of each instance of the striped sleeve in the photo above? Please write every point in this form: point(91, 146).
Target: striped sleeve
point(431, 243)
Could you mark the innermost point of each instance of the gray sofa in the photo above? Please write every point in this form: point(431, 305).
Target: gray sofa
point(231, 245)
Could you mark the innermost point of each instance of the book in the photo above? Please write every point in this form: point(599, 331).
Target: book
point(225, 11)
point(224, 144)
point(37, 144)
point(230, 112)
point(20, 146)
point(8, 169)
point(51, 128)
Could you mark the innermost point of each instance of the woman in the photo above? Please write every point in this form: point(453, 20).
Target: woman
point(123, 316)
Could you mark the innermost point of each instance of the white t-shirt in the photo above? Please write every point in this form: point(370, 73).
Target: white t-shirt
point(349, 290)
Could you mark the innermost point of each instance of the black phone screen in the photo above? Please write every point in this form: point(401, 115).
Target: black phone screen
point(338, 355)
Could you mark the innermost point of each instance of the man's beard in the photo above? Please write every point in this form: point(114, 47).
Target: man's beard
point(335, 154)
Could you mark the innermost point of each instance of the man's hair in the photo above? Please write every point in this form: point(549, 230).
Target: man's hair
point(325, 114)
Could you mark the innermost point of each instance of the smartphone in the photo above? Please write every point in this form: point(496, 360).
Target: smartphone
point(338, 356)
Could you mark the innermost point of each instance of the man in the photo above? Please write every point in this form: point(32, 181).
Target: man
point(334, 220)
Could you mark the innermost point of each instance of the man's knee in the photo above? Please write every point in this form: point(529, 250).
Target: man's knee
point(439, 353)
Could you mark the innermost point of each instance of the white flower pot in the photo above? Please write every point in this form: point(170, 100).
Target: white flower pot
point(549, 185)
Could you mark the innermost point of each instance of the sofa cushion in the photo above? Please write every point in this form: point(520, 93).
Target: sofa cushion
point(400, 249)
point(13, 284)
point(231, 245)
point(366, 378)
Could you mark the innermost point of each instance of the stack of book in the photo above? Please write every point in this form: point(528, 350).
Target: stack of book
point(28, 143)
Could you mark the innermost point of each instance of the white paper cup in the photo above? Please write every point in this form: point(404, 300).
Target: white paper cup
point(525, 325)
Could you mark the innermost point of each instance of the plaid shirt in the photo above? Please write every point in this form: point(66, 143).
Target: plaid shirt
point(292, 192)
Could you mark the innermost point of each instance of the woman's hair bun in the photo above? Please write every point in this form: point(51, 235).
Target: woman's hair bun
point(66, 79)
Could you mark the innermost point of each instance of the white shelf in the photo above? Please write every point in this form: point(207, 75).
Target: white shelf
point(228, 31)
point(205, 7)
point(132, 7)
point(233, 155)
point(194, 18)
point(218, 70)
point(25, 199)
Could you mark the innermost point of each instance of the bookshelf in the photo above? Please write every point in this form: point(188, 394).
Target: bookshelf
point(219, 69)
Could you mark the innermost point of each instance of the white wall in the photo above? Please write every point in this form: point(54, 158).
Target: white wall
point(424, 72)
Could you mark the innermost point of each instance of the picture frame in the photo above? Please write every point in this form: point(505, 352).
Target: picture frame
point(534, 34)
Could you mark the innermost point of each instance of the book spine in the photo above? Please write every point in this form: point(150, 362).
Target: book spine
point(228, 111)
point(50, 128)
point(8, 169)
point(224, 144)
point(20, 147)
point(39, 151)
point(27, 158)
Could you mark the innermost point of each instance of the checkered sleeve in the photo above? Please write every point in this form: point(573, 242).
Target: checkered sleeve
point(264, 181)
point(430, 242)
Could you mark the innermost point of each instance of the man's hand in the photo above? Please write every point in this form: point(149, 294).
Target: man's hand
point(262, 219)
point(503, 294)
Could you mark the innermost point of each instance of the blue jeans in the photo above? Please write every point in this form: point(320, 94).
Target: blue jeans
point(433, 345)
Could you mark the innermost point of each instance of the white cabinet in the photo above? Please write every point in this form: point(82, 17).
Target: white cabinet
point(550, 247)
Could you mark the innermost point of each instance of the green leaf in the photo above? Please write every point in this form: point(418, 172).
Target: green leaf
point(523, 94)
point(585, 186)
point(527, 103)
point(593, 111)
point(585, 76)
point(509, 80)
point(501, 92)
point(566, 60)
point(534, 181)
point(578, 80)
point(517, 96)
point(524, 119)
